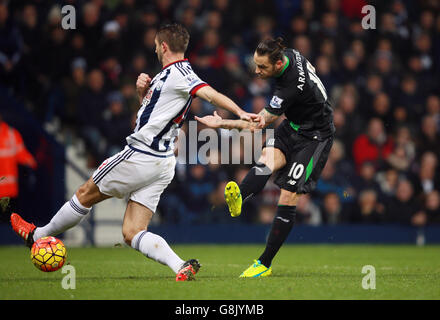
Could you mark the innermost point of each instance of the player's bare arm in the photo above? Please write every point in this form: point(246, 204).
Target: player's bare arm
point(215, 121)
point(220, 100)
point(142, 84)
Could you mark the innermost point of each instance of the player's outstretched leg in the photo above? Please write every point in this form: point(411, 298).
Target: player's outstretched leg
point(271, 160)
point(156, 248)
point(68, 216)
point(134, 229)
point(252, 184)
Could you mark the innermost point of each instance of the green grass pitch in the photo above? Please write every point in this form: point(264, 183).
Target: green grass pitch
point(300, 272)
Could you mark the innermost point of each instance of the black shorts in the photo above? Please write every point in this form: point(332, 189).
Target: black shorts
point(306, 157)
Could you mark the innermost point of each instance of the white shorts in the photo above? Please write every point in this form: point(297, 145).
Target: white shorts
point(139, 176)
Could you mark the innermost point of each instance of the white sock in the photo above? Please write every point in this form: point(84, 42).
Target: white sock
point(155, 247)
point(70, 214)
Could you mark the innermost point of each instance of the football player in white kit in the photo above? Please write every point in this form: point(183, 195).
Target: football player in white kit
point(145, 167)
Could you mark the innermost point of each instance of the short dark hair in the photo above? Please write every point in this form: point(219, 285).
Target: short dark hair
point(175, 35)
point(273, 48)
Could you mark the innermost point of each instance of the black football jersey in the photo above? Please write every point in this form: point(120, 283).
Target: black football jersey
point(300, 95)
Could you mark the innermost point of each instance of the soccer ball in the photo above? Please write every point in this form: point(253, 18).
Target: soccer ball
point(48, 254)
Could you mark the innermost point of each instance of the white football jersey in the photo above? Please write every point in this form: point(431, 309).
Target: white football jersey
point(164, 108)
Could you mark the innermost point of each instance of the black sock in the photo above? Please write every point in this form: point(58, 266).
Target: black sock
point(255, 180)
point(281, 226)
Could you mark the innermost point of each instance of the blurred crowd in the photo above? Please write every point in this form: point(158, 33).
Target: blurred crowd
point(383, 84)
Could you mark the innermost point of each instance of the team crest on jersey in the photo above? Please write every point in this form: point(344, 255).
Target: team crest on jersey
point(276, 102)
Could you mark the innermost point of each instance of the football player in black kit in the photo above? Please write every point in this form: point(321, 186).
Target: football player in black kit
point(300, 147)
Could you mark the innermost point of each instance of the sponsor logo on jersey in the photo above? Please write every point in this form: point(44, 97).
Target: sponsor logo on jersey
point(149, 94)
point(147, 98)
point(160, 84)
point(276, 102)
point(191, 79)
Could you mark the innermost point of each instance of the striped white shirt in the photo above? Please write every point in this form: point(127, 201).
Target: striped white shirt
point(164, 108)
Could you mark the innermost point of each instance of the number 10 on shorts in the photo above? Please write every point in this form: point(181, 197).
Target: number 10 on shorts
point(296, 171)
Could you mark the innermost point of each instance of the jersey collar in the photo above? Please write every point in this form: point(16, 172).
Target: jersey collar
point(284, 68)
point(169, 64)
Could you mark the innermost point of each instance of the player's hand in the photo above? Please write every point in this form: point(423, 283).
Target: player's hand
point(253, 117)
point(213, 121)
point(142, 84)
